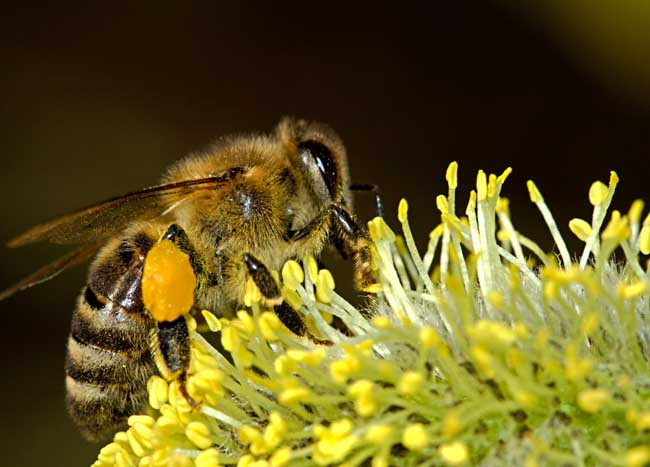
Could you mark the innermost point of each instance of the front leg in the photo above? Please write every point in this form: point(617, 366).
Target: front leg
point(271, 293)
point(348, 236)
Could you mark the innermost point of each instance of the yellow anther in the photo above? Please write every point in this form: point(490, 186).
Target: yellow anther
point(525, 398)
point(471, 204)
point(292, 395)
point(613, 179)
point(644, 239)
point(199, 434)
point(382, 322)
point(580, 228)
point(284, 365)
point(245, 322)
point(158, 390)
point(402, 210)
point(145, 420)
point(252, 294)
point(503, 205)
point(429, 337)
point(597, 193)
point(633, 290)
point(378, 434)
point(292, 274)
point(212, 321)
point(437, 232)
point(230, 339)
point(533, 192)
point(269, 324)
point(617, 228)
point(340, 370)
point(442, 204)
point(637, 456)
point(455, 453)
point(324, 286)
point(492, 186)
point(361, 391)
point(635, 210)
point(168, 282)
point(410, 382)
point(280, 457)
point(481, 185)
point(452, 175)
point(415, 437)
point(592, 400)
point(207, 458)
point(373, 288)
point(292, 298)
point(504, 175)
point(379, 230)
point(495, 298)
point(312, 268)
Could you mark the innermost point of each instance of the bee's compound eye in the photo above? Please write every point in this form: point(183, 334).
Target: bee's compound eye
point(322, 156)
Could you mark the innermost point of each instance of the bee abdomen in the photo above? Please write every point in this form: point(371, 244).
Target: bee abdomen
point(107, 365)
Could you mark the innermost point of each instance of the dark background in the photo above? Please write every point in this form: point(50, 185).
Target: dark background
point(96, 101)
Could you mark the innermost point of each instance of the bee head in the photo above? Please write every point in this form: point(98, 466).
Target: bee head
point(318, 153)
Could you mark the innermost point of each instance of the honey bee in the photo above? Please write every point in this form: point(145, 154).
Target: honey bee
point(238, 210)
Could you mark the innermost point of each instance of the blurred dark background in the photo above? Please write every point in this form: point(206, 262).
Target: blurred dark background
point(98, 100)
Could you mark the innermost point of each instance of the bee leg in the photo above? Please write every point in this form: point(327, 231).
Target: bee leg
point(379, 206)
point(170, 347)
point(355, 240)
point(177, 235)
point(269, 289)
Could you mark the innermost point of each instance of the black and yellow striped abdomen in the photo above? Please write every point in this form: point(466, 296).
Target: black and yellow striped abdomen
point(108, 361)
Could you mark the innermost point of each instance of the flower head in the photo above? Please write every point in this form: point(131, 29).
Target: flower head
point(483, 349)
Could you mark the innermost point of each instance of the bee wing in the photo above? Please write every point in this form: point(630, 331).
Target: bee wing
point(109, 217)
point(52, 269)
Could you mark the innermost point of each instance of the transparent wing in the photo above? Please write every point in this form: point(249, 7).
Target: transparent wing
point(109, 217)
point(52, 269)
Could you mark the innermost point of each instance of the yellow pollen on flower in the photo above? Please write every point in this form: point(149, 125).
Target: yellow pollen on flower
point(379, 230)
point(292, 274)
point(361, 391)
point(492, 186)
point(252, 294)
point(533, 192)
point(442, 204)
point(293, 394)
point(312, 268)
point(324, 286)
point(248, 434)
point(341, 369)
point(381, 322)
point(284, 365)
point(451, 424)
point(415, 437)
point(617, 228)
point(580, 228)
point(454, 453)
point(504, 175)
point(525, 398)
point(280, 457)
point(429, 337)
point(378, 434)
point(245, 461)
point(597, 193)
point(168, 282)
point(592, 400)
point(199, 434)
point(230, 339)
point(158, 389)
point(402, 210)
point(212, 321)
point(644, 240)
point(636, 209)
point(495, 298)
point(207, 458)
point(486, 332)
point(246, 322)
point(637, 456)
point(481, 186)
point(269, 323)
point(451, 175)
point(503, 205)
point(410, 382)
point(632, 290)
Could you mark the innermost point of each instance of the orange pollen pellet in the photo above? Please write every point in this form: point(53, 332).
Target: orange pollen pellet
point(168, 282)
